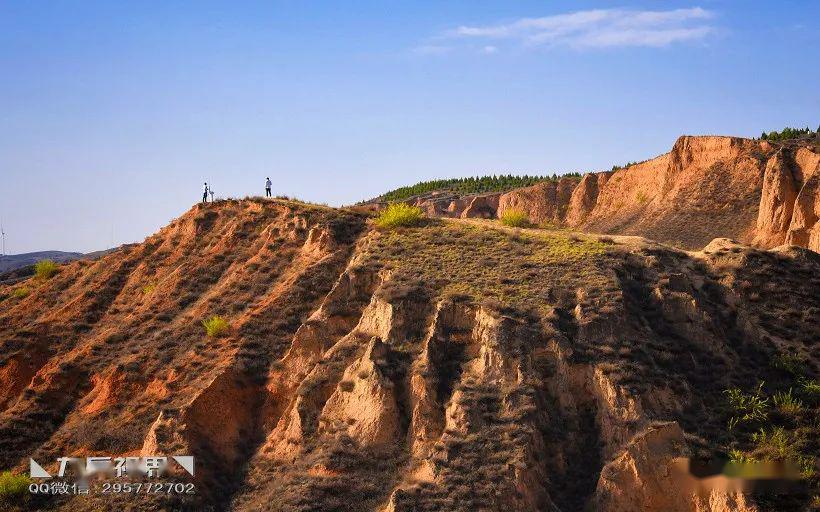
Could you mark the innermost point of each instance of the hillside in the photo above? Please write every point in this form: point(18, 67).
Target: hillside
point(760, 192)
point(456, 365)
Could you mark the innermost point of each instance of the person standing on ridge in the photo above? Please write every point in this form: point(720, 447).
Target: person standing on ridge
point(205, 192)
point(267, 187)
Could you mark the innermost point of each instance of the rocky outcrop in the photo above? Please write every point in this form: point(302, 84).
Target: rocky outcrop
point(545, 202)
point(585, 197)
point(652, 474)
point(482, 207)
point(776, 202)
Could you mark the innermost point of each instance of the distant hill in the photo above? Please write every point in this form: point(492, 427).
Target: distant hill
point(14, 261)
point(469, 185)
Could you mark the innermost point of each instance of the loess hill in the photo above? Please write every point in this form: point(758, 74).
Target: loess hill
point(760, 192)
point(453, 366)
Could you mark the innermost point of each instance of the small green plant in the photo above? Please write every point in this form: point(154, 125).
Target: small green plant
point(810, 389)
point(738, 457)
point(148, 288)
point(747, 406)
point(45, 269)
point(515, 218)
point(776, 443)
point(399, 214)
point(791, 363)
point(807, 466)
point(21, 293)
point(786, 403)
point(215, 326)
point(641, 197)
point(13, 487)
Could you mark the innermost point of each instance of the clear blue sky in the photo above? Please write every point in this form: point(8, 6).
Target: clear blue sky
point(112, 114)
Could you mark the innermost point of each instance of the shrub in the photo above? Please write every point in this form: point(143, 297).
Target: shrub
point(747, 406)
point(738, 457)
point(13, 486)
point(20, 293)
point(215, 326)
point(399, 214)
point(148, 288)
point(810, 389)
point(45, 269)
point(777, 443)
point(790, 363)
point(515, 218)
point(787, 403)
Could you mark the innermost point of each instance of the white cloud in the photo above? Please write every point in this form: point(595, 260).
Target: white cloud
point(598, 28)
point(489, 50)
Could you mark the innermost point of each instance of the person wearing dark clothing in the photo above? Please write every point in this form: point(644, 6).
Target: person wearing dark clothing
point(205, 193)
point(267, 187)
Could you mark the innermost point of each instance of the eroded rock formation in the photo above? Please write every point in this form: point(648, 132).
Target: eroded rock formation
point(359, 374)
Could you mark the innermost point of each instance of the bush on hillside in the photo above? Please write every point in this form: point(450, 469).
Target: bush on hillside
point(515, 218)
point(20, 293)
point(215, 326)
point(45, 269)
point(13, 487)
point(399, 214)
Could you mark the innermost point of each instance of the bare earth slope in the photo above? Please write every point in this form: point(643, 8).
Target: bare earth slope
point(451, 366)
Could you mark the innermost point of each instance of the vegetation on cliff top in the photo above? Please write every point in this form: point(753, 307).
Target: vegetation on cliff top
point(788, 133)
point(471, 185)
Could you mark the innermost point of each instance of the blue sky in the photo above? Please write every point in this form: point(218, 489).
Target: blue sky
point(113, 113)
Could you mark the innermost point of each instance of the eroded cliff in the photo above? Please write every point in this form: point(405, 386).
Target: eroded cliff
point(451, 366)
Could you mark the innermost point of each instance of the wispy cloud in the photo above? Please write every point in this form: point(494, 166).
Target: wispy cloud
point(598, 28)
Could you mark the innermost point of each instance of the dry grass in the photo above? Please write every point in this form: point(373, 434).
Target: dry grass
point(516, 269)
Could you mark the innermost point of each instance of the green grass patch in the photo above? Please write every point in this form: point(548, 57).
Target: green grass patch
point(774, 444)
point(21, 292)
point(515, 218)
point(148, 289)
point(786, 403)
point(216, 326)
point(488, 263)
point(13, 487)
point(747, 407)
point(810, 389)
point(45, 269)
point(791, 363)
point(399, 214)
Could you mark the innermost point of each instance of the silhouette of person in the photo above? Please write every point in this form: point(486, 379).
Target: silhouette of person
point(267, 187)
point(205, 192)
